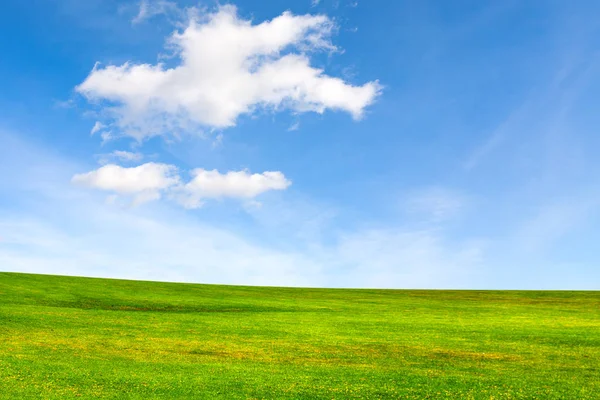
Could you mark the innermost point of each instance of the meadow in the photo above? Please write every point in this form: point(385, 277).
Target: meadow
point(68, 337)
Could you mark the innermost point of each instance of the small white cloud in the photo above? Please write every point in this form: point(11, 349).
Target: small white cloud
point(98, 126)
point(107, 136)
point(294, 127)
point(120, 155)
point(233, 184)
point(145, 182)
point(150, 8)
point(218, 141)
point(64, 103)
point(315, 3)
point(228, 67)
point(148, 181)
point(127, 155)
point(252, 204)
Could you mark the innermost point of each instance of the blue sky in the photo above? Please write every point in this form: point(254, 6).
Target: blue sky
point(408, 144)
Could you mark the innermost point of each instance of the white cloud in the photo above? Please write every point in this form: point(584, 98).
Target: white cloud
point(145, 181)
point(227, 67)
point(294, 127)
point(235, 184)
point(65, 104)
point(169, 247)
point(98, 126)
point(106, 133)
point(127, 155)
point(217, 141)
point(119, 155)
point(150, 8)
point(106, 136)
point(85, 236)
point(119, 243)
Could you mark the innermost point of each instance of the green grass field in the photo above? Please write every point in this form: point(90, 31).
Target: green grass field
point(65, 337)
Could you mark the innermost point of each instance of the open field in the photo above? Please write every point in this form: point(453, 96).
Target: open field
point(65, 337)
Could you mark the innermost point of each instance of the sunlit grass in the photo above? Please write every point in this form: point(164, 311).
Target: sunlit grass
point(64, 337)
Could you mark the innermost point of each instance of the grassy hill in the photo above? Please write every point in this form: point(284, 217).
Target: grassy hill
point(66, 337)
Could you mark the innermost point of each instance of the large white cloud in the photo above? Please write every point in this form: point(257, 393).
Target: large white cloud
point(227, 67)
point(147, 181)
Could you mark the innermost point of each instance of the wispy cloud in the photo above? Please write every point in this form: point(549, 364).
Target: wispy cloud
point(544, 107)
point(98, 126)
point(127, 155)
point(294, 127)
point(435, 203)
point(151, 8)
point(554, 220)
point(164, 243)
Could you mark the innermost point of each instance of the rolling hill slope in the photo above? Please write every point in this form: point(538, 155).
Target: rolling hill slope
point(68, 337)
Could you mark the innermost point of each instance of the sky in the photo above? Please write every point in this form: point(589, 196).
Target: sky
point(332, 143)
